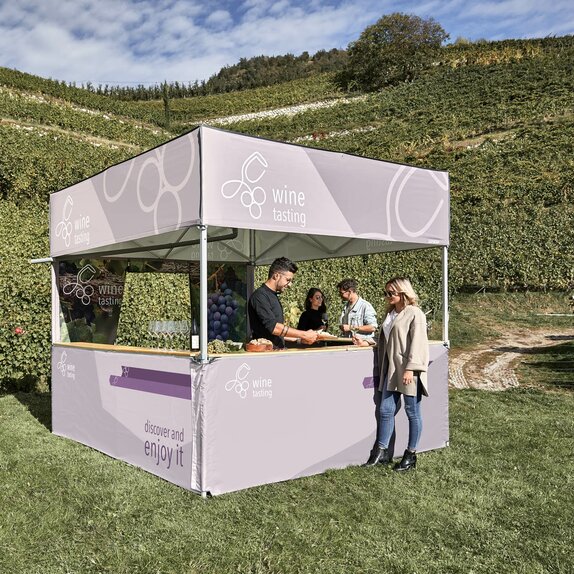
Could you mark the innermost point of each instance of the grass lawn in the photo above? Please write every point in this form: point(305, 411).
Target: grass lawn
point(499, 499)
point(552, 367)
point(484, 317)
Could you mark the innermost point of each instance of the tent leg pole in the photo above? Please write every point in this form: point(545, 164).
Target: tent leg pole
point(56, 334)
point(252, 254)
point(445, 297)
point(251, 274)
point(203, 293)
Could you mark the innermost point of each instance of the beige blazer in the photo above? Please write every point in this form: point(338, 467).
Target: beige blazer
point(406, 350)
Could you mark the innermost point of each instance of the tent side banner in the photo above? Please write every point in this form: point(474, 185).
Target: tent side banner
point(265, 185)
point(150, 194)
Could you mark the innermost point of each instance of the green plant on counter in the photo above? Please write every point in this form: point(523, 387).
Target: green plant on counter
point(218, 347)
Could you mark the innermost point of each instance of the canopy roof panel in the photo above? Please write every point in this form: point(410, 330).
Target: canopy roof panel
point(298, 202)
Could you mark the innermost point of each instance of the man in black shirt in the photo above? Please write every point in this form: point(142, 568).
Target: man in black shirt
point(266, 313)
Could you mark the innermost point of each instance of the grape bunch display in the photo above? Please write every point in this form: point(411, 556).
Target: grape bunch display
point(222, 312)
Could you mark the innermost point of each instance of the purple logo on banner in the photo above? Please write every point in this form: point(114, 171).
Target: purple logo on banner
point(158, 382)
point(369, 382)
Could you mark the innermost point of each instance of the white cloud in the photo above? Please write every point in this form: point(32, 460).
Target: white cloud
point(501, 19)
point(149, 41)
point(219, 18)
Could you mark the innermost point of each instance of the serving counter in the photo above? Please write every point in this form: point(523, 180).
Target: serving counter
point(237, 421)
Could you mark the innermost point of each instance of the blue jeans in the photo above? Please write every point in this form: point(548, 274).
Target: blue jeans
point(390, 406)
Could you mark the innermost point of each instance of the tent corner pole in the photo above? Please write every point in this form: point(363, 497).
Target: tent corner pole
point(252, 254)
point(251, 273)
point(445, 316)
point(55, 307)
point(203, 293)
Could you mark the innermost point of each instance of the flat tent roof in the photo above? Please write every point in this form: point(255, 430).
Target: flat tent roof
point(260, 199)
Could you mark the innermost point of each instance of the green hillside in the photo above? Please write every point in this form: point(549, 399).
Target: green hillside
point(498, 116)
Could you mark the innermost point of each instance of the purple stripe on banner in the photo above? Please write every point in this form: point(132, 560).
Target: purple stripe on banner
point(369, 382)
point(158, 376)
point(147, 386)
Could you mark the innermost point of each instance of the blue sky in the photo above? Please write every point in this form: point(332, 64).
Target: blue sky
point(128, 42)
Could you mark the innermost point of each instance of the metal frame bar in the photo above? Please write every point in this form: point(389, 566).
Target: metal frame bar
point(203, 294)
point(445, 314)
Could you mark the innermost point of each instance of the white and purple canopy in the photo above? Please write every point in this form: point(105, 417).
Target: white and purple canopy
point(263, 199)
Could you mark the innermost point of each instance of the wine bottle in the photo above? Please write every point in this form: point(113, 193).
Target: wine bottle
point(194, 335)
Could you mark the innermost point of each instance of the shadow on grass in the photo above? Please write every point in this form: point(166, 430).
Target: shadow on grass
point(554, 349)
point(554, 365)
point(39, 405)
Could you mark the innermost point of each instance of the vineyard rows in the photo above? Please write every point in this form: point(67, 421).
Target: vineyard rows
point(46, 111)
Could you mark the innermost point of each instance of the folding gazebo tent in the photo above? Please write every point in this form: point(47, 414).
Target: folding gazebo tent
point(217, 195)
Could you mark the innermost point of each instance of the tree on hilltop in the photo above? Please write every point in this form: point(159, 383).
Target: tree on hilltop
point(394, 49)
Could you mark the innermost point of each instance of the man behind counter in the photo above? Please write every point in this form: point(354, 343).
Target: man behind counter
point(358, 310)
point(266, 312)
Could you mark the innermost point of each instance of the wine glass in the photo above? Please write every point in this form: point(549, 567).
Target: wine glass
point(354, 326)
point(185, 328)
point(153, 330)
point(182, 334)
point(171, 333)
point(163, 332)
point(150, 329)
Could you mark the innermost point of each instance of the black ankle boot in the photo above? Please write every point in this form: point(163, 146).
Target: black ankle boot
point(379, 455)
point(408, 461)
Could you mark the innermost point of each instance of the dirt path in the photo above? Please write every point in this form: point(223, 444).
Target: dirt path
point(492, 367)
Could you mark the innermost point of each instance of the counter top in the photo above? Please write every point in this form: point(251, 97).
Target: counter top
point(176, 353)
point(152, 351)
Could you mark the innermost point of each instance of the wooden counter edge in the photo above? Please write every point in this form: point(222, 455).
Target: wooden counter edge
point(146, 350)
point(166, 352)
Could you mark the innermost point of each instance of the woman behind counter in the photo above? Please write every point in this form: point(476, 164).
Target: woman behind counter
point(403, 363)
point(315, 314)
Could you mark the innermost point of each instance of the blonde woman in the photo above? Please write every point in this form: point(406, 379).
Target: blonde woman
point(403, 362)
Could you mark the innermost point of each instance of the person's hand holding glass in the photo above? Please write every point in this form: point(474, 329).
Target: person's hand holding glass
point(355, 327)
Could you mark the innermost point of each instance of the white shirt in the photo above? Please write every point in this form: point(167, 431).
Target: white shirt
point(388, 323)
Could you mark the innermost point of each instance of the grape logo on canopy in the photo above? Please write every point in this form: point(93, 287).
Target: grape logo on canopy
point(252, 170)
point(79, 227)
point(288, 204)
point(398, 185)
point(157, 193)
point(64, 228)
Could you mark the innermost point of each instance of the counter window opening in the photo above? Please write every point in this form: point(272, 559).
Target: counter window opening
point(148, 304)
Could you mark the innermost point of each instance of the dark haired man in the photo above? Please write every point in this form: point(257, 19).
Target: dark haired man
point(356, 310)
point(266, 317)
